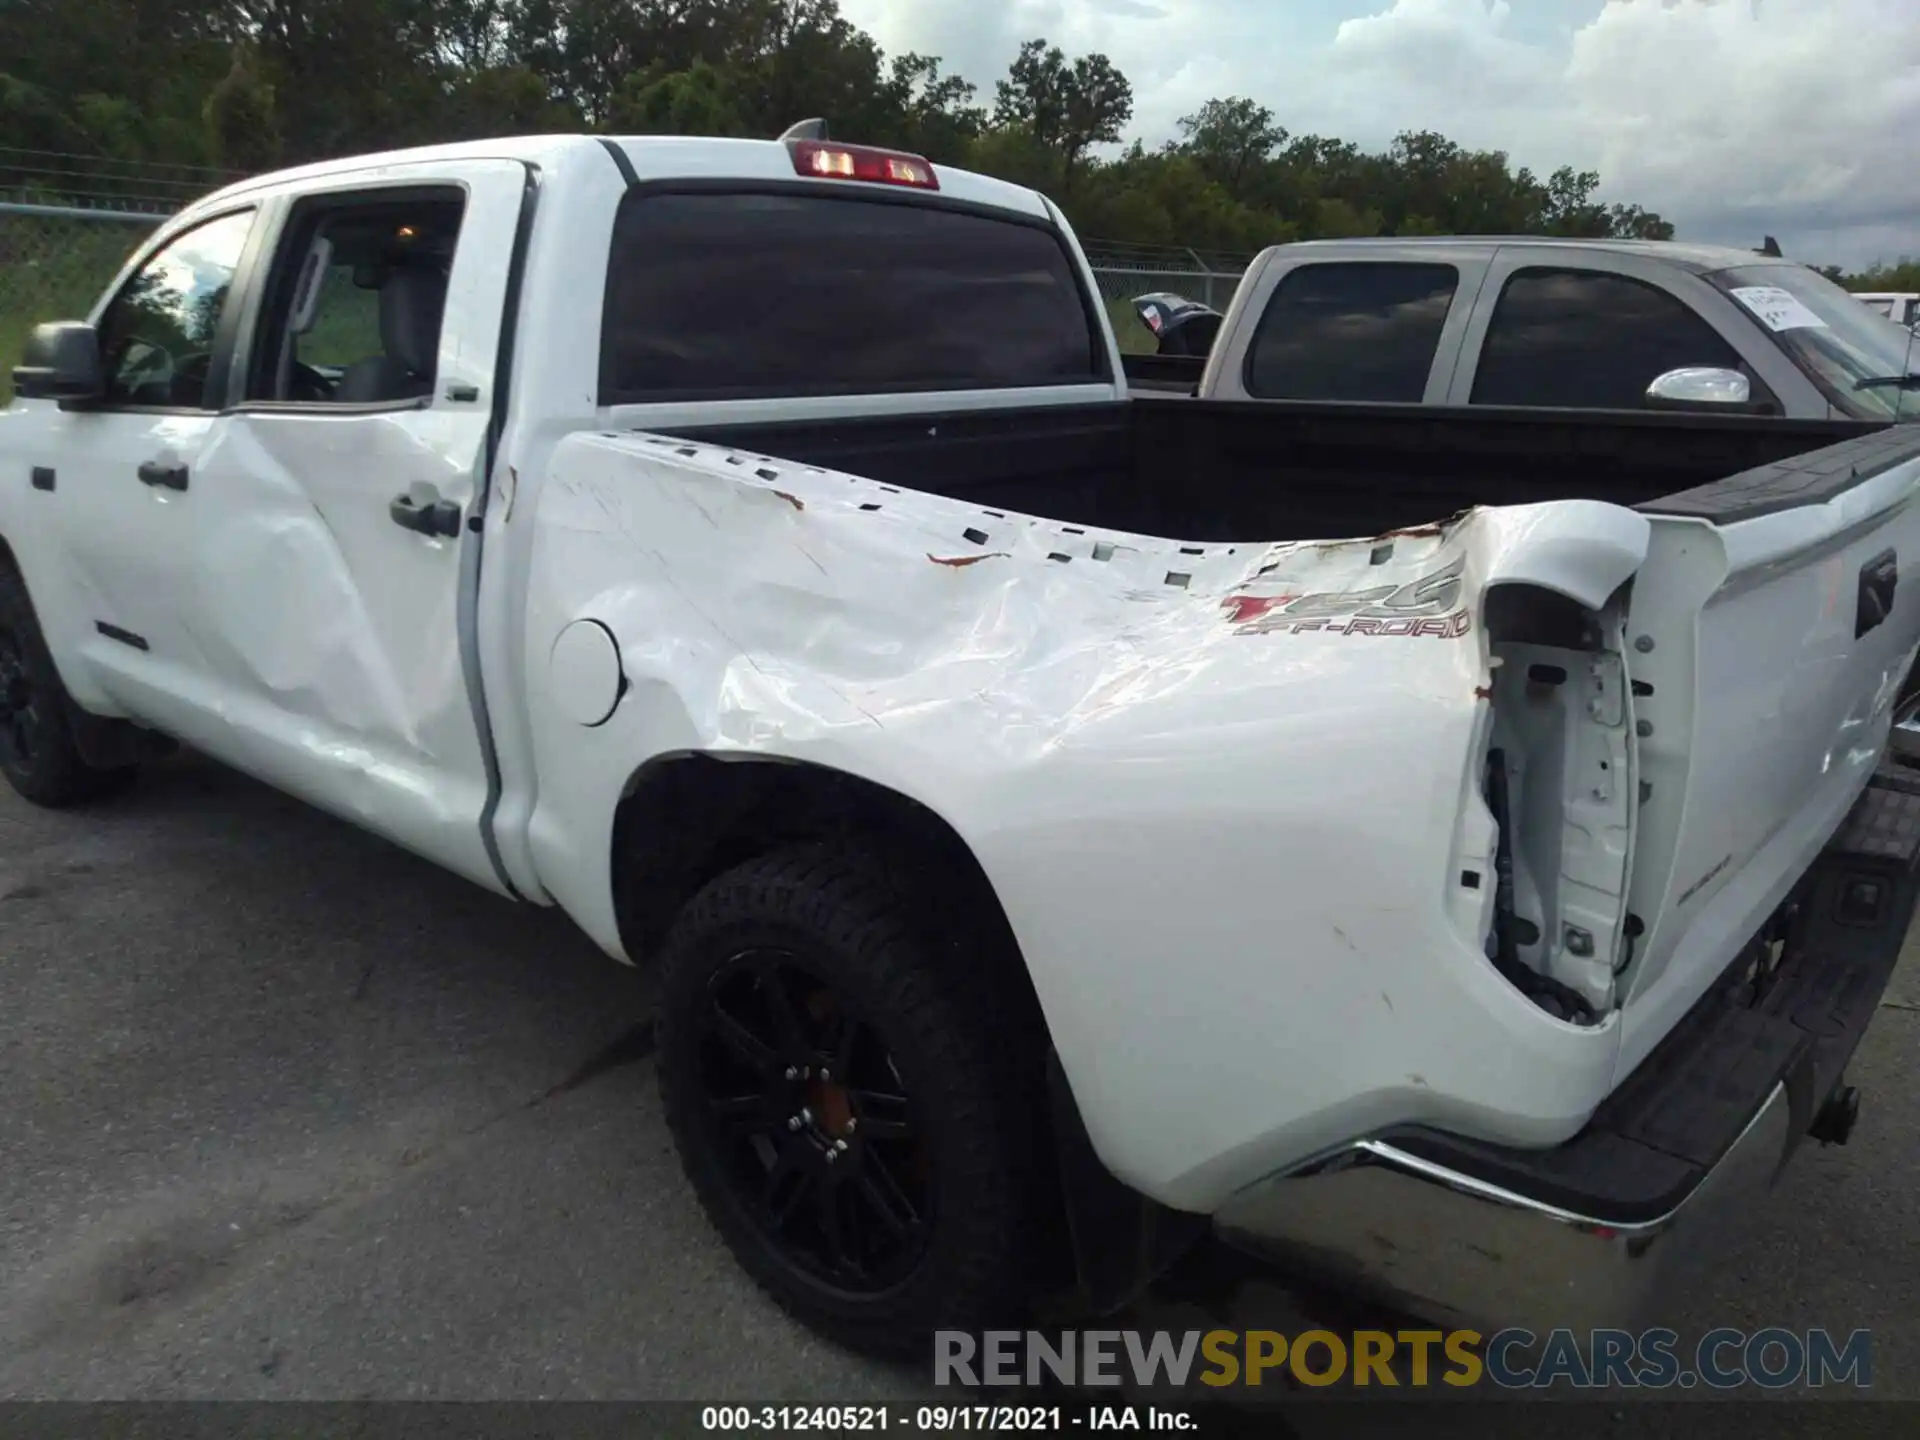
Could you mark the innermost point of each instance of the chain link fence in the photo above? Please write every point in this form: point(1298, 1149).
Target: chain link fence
point(67, 222)
point(54, 262)
point(56, 258)
point(1125, 271)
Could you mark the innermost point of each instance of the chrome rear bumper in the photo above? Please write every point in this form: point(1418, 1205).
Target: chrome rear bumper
point(1446, 1247)
point(1599, 1232)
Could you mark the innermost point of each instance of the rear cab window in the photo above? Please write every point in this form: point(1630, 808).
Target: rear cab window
point(788, 291)
point(1364, 330)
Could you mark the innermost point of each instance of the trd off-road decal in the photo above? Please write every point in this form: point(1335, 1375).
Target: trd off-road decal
point(1420, 607)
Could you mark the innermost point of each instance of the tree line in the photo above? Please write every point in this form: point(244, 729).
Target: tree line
point(246, 85)
point(1900, 276)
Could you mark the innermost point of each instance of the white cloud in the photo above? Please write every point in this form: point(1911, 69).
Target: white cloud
point(1734, 118)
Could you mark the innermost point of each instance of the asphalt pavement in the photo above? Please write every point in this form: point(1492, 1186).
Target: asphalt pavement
point(289, 1113)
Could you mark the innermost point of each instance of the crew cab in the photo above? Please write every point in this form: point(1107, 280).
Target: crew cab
point(1537, 322)
point(1449, 849)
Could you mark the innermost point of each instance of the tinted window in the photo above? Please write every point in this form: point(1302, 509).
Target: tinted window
point(794, 294)
point(1351, 332)
point(1585, 340)
point(157, 335)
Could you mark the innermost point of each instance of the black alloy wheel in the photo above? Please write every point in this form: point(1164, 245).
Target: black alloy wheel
point(855, 1110)
point(813, 1124)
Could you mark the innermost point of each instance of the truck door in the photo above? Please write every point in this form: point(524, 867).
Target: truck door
point(334, 565)
point(129, 465)
point(1590, 330)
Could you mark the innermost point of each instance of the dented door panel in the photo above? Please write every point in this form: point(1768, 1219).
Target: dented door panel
point(327, 636)
point(330, 637)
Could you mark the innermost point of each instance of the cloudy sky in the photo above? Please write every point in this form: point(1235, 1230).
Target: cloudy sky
point(1733, 118)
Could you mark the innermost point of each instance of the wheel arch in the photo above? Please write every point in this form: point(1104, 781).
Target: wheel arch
point(687, 816)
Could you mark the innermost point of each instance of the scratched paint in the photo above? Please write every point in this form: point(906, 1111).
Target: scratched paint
point(1079, 705)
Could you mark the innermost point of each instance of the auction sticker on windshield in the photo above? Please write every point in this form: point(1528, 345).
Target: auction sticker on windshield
point(1777, 309)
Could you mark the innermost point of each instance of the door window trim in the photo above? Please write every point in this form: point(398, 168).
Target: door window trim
point(1711, 309)
point(292, 208)
point(220, 357)
point(1445, 339)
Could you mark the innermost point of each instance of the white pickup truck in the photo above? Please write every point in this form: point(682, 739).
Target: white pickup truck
point(1901, 307)
point(1059, 840)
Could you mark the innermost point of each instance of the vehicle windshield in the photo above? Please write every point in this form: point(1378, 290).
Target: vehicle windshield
point(1831, 336)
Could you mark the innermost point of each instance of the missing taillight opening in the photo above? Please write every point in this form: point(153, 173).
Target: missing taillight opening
point(861, 162)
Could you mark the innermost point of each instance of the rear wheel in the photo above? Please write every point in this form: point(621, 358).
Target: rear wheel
point(38, 753)
point(838, 1098)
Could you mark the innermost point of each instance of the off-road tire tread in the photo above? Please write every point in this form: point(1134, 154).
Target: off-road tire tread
point(864, 907)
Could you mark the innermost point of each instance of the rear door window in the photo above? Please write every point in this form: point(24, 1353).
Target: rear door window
point(358, 297)
point(767, 294)
point(1588, 340)
point(1365, 331)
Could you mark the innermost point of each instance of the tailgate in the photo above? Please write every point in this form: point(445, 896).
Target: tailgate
point(1769, 634)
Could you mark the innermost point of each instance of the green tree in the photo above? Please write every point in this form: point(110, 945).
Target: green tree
point(1228, 140)
point(501, 100)
point(1015, 154)
point(1901, 275)
point(1630, 222)
point(243, 121)
point(937, 114)
point(1568, 206)
point(245, 84)
point(699, 100)
point(1068, 108)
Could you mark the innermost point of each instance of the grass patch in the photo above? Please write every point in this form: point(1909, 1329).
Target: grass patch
point(1130, 330)
point(53, 269)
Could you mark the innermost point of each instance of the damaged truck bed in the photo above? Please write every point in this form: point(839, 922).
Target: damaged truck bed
point(1052, 812)
point(1225, 470)
point(1570, 735)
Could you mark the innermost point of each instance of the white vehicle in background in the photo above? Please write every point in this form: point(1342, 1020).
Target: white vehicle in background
point(1449, 850)
point(1902, 307)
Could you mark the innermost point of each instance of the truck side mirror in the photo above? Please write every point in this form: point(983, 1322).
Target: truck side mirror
point(61, 362)
point(1700, 387)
